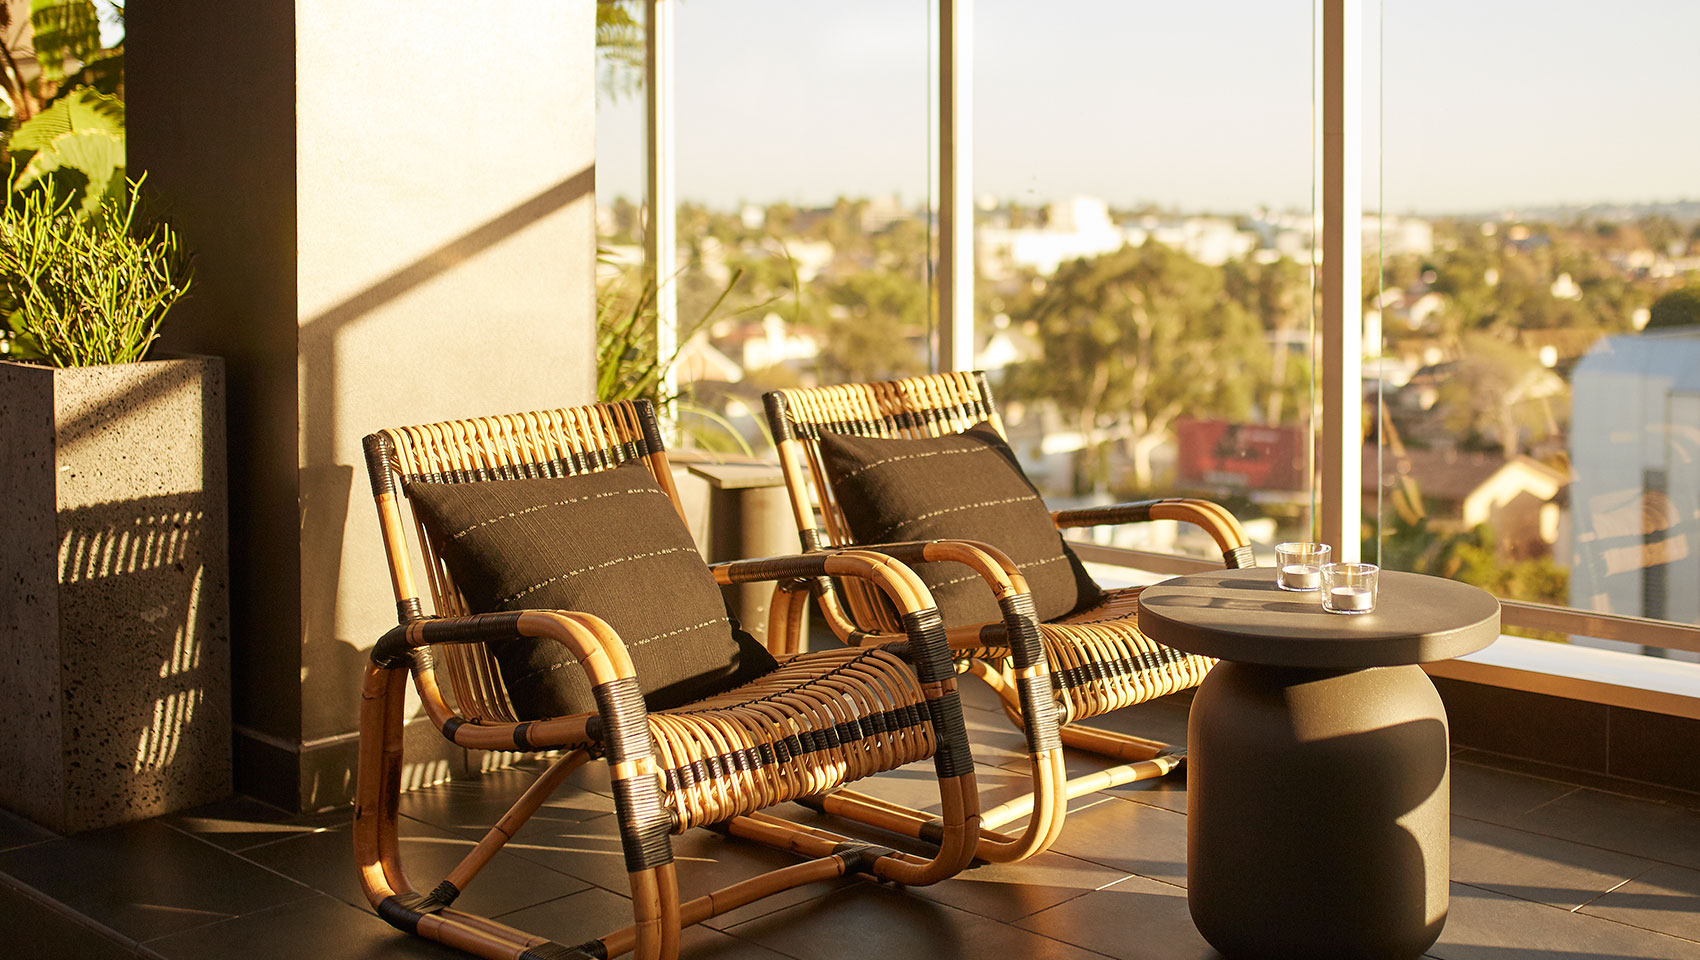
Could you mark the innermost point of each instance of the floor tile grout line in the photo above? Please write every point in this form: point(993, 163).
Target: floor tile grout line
point(1636, 926)
point(238, 851)
point(32, 843)
point(1590, 916)
point(1681, 865)
point(942, 906)
point(53, 905)
point(1547, 803)
point(1690, 798)
point(1615, 887)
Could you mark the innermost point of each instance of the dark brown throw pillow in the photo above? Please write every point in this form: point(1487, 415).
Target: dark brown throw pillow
point(607, 543)
point(965, 486)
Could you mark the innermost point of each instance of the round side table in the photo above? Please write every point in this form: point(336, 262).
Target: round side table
point(1317, 761)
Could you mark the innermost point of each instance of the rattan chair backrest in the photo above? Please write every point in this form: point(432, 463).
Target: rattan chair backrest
point(543, 443)
point(930, 406)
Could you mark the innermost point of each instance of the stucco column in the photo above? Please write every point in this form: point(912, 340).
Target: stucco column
point(392, 205)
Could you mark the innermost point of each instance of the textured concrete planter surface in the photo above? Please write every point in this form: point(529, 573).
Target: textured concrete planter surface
point(114, 607)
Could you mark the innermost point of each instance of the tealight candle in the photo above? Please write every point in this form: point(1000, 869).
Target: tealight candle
point(1349, 587)
point(1350, 598)
point(1298, 566)
point(1301, 576)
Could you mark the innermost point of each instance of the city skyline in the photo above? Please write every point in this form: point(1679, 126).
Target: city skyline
point(817, 101)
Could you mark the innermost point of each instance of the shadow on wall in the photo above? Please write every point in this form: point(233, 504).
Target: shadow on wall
point(144, 656)
point(331, 665)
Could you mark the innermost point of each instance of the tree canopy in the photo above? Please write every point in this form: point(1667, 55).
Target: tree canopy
point(1134, 340)
point(1678, 308)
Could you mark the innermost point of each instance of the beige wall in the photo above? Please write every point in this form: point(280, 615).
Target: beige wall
point(393, 207)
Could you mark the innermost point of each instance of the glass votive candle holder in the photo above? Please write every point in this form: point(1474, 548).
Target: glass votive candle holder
point(1298, 566)
point(1349, 587)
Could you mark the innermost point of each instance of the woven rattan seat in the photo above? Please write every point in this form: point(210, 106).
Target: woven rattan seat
point(1096, 658)
point(1101, 662)
point(807, 726)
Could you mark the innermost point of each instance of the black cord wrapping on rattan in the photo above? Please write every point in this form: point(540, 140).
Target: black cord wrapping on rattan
point(651, 429)
point(379, 451)
point(933, 664)
point(404, 910)
point(859, 856)
point(1239, 558)
point(645, 824)
point(392, 650)
point(590, 950)
point(774, 403)
point(1038, 695)
point(401, 910)
point(1136, 512)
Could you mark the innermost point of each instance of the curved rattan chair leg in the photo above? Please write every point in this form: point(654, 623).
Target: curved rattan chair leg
point(377, 794)
point(1111, 743)
point(378, 785)
point(655, 896)
point(1149, 759)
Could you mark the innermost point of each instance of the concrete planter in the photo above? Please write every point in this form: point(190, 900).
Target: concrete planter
point(114, 598)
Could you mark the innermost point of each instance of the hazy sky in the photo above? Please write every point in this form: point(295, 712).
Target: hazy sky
point(1201, 105)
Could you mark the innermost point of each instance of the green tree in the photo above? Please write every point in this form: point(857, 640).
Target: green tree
point(874, 325)
point(1678, 308)
point(1278, 295)
point(1495, 390)
point(1132, 341)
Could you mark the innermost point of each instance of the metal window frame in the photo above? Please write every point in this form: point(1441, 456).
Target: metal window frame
point(1338, 141)
point(660, 236)
point(955, 112)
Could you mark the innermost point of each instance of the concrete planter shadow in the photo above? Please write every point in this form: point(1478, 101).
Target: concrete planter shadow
point(114, 597)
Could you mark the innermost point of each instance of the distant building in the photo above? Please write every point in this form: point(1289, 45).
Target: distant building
point(1080, 227)
point(810, 257)
point(1075, 228)
point(1518, 498)
point(1006, 345)
point(1398, 235)
point(770, 342)
point(1635, 443)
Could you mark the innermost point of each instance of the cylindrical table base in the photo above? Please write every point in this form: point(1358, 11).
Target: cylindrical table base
point(1317, 805)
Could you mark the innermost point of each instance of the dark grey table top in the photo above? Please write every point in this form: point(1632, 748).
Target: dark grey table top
point(1240, 615)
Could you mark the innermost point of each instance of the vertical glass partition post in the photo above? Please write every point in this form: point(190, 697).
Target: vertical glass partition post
point(1145, 245)
point(625, 299)
point(1538, 305)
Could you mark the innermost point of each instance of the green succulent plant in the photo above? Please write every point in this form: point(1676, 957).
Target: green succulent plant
point(88, 289)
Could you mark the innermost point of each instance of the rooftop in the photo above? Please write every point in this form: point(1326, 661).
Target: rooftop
point(1545, 863)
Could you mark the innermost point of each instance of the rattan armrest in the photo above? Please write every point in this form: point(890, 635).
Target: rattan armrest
point(624, 720)
point(591, 641)
point(1019, 629)
point(1214, 518)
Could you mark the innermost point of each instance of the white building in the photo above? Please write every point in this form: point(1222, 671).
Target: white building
point(1398, 235)
point(1635, 502)
point(772, 342)
point(1074, 228)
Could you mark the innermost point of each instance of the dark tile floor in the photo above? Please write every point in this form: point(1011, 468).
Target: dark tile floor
point(1543, 865)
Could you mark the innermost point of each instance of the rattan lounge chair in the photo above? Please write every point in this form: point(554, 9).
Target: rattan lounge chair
point(1096, 655)
point(807, 726)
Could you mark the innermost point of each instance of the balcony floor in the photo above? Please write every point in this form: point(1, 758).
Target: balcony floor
point(1543, 865)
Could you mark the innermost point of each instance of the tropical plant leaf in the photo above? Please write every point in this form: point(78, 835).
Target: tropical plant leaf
point(64, 30)
point(104, 72)
point(81, 132)
point(98, 156)
point(82, 109)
